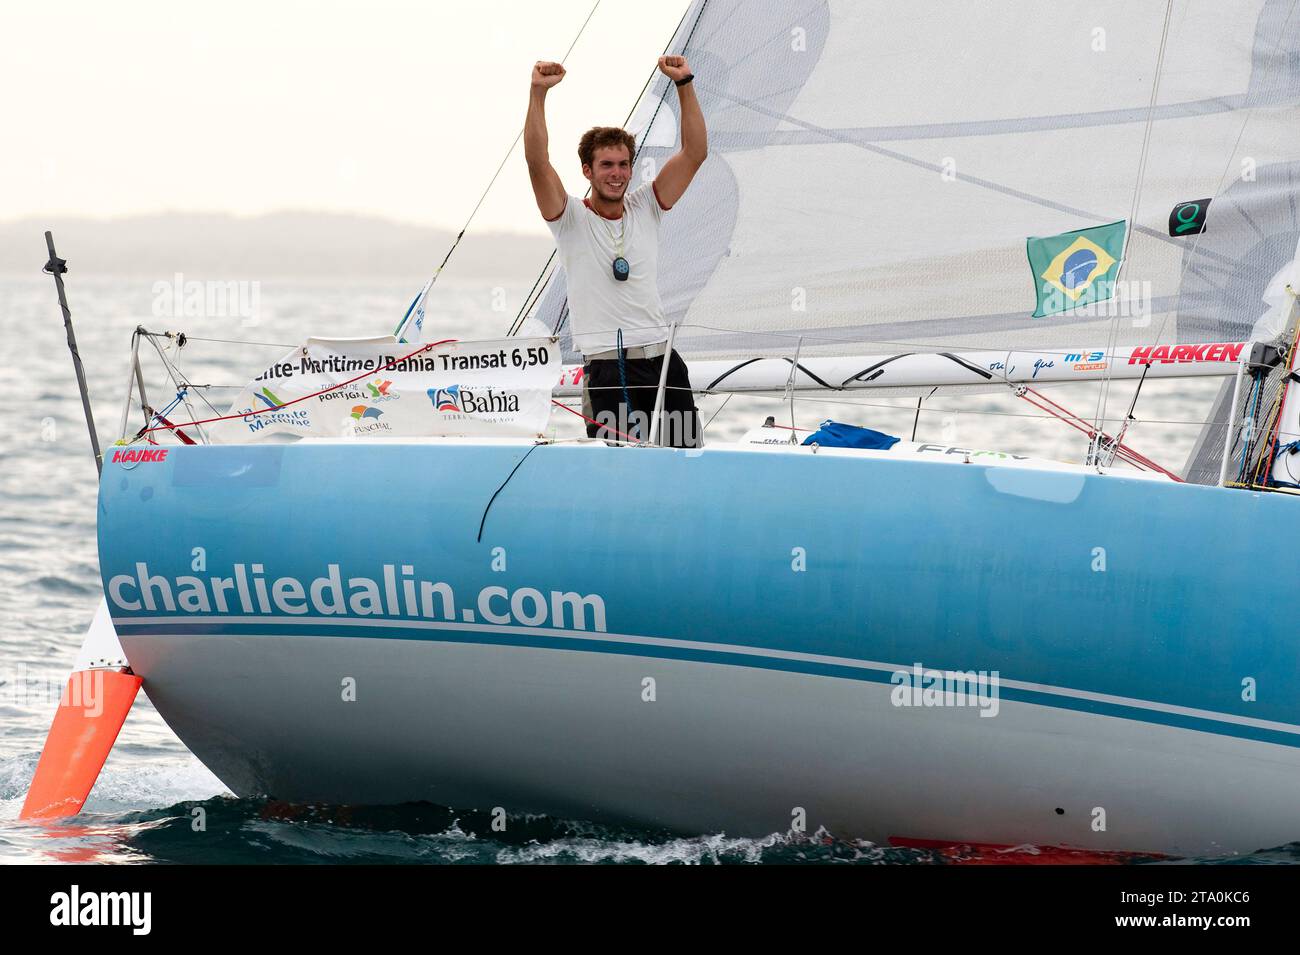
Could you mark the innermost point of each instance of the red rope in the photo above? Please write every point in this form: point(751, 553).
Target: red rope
point(392, 362)
point(1122, 452)
point(1073, 420)
point(185, 438)
point(596, 423)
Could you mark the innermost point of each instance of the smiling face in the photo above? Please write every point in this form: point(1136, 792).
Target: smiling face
point(609, 172)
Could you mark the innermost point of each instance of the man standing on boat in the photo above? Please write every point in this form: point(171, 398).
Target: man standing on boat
point(609, 247)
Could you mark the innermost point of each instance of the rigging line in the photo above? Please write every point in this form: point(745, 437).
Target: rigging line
point(1218, 190)
point(850, 402)
point(501, 166)
point(663, 97)
point(794, 365)
point(391, 363)
point(1136, 391)
point(1273, 433)
point(1103, 393)
point(232, 341)
point(528, 299)
point(479, 538)
point(962, 410)
point(184, 379)
point(718, 412)
point(178, 377)
point(794, 371)
point(176, 382)
point(649, 79)
point(1115, 445)
point(630, 440)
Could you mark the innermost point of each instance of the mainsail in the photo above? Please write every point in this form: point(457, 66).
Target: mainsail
point(875, 170)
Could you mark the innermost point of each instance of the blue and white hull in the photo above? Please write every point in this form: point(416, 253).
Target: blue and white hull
point(739, 640)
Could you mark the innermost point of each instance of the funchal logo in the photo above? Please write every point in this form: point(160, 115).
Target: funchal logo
point(366, 420)
point(1077, 266)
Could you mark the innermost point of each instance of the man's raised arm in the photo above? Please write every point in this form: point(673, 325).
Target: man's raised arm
point(547, 187)
point(681, 167)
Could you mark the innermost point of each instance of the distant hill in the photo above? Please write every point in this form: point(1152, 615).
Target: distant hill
point(281, 244)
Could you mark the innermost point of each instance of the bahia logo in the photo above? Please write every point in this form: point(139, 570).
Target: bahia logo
point(454, 398)
point(446, 399)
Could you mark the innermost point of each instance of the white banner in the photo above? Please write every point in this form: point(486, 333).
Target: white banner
point(498, 387)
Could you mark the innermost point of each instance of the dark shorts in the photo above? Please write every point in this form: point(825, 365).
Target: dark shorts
point(602, 400)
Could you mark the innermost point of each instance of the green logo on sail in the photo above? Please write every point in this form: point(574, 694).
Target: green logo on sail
point(1075, 268)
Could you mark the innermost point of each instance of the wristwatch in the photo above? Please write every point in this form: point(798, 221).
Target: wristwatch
point(685, 79)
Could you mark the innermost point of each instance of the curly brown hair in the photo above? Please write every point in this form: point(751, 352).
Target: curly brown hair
point(600, 136)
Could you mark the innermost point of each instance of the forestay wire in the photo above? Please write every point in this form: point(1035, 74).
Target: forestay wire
point(416, 309)
point(1267, 96)
point(1103, 394)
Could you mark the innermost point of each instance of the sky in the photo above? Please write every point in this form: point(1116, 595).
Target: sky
point(389, 108)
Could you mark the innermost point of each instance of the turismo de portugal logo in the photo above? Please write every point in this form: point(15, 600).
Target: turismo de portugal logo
point(1075, 268)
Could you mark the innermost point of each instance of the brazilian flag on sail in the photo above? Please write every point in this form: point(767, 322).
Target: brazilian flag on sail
point(1075, 268)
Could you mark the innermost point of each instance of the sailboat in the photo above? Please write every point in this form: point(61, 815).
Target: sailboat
point(909, 642)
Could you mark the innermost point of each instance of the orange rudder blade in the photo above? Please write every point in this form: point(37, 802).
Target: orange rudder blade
point(89, 717)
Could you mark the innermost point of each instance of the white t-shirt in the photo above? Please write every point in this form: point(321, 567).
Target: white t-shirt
point(599, 304)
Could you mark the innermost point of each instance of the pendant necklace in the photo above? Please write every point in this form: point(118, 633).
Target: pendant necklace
point(621, 269)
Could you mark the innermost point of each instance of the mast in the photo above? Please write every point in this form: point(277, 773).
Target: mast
point(57, 267)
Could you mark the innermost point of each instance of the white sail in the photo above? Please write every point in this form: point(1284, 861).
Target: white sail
point(868, 191)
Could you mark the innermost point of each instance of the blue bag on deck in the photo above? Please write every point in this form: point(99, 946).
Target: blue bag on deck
point(833, 434)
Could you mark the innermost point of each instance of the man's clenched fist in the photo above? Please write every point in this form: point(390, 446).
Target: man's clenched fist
point(547, 74)
point(674, 67)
